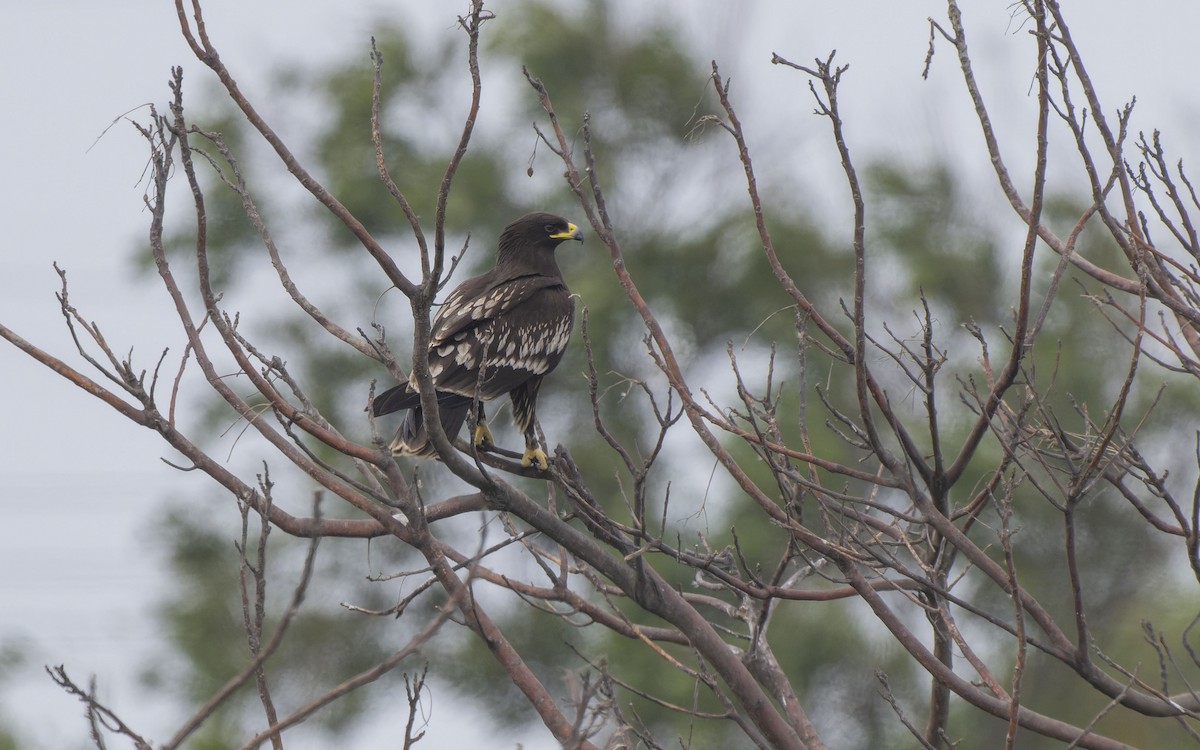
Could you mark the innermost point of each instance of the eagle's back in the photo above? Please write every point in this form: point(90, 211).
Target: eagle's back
point(512, 327)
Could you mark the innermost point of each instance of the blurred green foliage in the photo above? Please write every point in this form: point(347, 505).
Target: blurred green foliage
point(12, 658)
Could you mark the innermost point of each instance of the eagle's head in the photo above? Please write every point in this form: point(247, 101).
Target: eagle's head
point(536, 232)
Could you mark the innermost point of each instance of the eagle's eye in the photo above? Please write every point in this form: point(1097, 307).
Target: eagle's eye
point(551, 229)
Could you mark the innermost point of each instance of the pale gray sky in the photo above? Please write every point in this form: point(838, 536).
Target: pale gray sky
point(77, 483)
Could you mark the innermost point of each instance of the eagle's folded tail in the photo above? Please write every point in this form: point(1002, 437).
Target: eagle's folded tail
point(412, 439)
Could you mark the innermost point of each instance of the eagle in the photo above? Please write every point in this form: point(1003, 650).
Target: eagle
point(498, 333)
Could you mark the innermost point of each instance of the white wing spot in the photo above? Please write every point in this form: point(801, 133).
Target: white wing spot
point(463, 355)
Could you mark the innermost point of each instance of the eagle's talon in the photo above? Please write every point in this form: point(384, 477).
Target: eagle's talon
point(535, 456)
point(483, 437)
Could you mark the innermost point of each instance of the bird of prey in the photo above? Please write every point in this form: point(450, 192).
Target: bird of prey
point(498, 333)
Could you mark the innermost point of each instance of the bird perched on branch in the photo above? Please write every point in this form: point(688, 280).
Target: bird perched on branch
point(498, 333)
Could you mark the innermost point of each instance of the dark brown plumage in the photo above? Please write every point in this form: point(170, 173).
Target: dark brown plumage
point(498, 333)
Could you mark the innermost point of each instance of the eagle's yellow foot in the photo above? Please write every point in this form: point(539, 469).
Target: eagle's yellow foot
point(535, 455)
point(483, 436)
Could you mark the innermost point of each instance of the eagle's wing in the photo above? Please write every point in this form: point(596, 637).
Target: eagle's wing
point(483, 298)
point(490, 336)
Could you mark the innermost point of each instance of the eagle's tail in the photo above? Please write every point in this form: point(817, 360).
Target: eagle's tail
point(412, 439)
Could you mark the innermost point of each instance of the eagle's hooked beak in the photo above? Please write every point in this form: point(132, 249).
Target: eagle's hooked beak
point(572, 232)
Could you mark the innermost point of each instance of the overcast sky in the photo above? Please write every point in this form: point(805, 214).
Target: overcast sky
point(78, 484)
